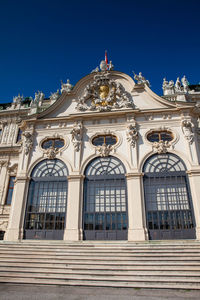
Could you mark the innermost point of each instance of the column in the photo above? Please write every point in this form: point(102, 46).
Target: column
point(136, 220)
point(15, 225)
point(73, 230)
point(194, 179)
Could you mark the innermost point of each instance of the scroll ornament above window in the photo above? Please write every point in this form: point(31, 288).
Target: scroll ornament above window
point(104, 143)
point(51, 146)
point(161, 140)
point(104, 94)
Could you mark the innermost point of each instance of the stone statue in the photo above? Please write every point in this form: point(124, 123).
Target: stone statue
point(67, 87)
point(95, 70)
point(141, 79)
point(168, 87)
point(187, 126)
point(18, 99)
point(178, 87)
point(111, 66)
point(103, 66)
point(28, 141)
point(185, 84)
point(77, 134)
point(39, 97)
point(55, 96)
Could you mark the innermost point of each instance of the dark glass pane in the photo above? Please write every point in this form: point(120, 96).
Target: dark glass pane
point(58, 143)
point(47, 144)
point(10, 190)
point(98, 141)
point(166, 136)
point(110, 140)
point(153, 137)
point(19, 135)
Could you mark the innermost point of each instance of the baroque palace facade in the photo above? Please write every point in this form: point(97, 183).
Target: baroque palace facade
point(107, 159)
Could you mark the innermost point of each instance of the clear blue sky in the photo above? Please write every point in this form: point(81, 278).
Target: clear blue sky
point(43, 42)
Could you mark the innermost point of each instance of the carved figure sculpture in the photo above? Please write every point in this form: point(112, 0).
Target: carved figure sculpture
point(161, 146)
point(77, 134)
point(141, 79)
point(28, 141)
point(55, 96)
point(67, 87)
point(168, 87)
point(185, 84)
point(132, 134)
point(104, 150)
point(178, 87)
point(187, 126)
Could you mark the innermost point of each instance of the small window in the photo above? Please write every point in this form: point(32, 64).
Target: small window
point(10, 190)
point(19, 135)
point(104, 139)
point(157, 136)
point(53, 143)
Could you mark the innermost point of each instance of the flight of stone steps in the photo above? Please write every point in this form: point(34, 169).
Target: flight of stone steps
point(169, 264)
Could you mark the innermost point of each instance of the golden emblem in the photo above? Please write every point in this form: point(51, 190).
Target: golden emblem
point(103, 91)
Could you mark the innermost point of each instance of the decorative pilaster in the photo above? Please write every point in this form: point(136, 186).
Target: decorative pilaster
point(136, 212)
point(15, 225)
point(194, 179)
point(73, 230)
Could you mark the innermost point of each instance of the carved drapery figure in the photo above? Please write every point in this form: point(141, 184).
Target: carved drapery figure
point(168, 87)
point(187, 128)
point(55, 96)
point(178, 87)
point(141, 79)
point(104, 94)
point(39, 97)
point(77, 135)
point(67, 87)
point(185, 84)
point(28, 141)
point(132, 134)
point(18, 99)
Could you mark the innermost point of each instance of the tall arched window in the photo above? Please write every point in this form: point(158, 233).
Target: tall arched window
point(47, 200)
point(168, 205)
point(105, 200)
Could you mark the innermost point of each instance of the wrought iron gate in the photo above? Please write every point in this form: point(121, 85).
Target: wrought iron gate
point(105, 200)
point(169, 212)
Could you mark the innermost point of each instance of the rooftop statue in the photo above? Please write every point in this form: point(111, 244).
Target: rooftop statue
point(185, 84)
point(67, 87)
point(178, 87)
point(141, 79)
point(168, 87)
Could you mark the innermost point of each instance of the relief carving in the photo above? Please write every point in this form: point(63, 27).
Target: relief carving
point(104, 94)
point(132, 134)
point(3, 225)
point(28, 141)
point(161, 146)
point(77, 135)
point(104, 150)
point(187, 128)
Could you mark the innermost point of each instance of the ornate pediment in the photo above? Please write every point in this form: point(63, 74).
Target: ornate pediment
point(104, 94)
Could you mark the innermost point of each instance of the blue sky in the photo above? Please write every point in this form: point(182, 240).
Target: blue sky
point(43, 42)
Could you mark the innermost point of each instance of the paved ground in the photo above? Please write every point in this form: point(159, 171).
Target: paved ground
point(33, 292)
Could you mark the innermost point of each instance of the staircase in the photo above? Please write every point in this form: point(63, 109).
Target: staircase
point(169, 264)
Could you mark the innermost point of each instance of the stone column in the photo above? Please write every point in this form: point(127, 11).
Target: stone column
point(194, 179)
point(136, 220)
point(3, 172)
point(15, 225)
point(73, 230)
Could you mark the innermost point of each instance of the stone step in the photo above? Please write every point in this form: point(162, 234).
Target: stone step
point(103, 277)
point(104, 262)
point(91, 252)
point(60, 266)
point(159, 285)
point(106, 256)
point(103, 272)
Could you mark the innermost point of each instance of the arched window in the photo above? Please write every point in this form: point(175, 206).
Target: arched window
point(105, 200)
point(47, 199)
point(169, 212)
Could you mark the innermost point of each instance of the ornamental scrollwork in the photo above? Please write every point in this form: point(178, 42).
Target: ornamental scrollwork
point(104, 150)
point(51, 152)
point(104, 94)
point(3, 225)
point(77, 135)
point(28, 141)
point(187, 128)
point(132, 134)
point(161, 146)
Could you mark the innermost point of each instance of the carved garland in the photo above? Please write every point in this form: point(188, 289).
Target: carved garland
point(105, 150)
